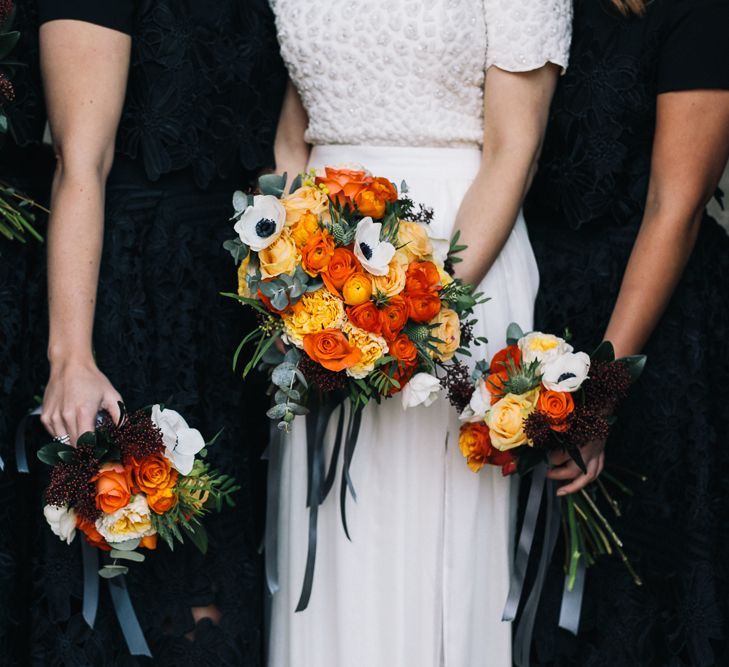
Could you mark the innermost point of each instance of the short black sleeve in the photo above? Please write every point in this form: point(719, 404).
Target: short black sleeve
point(695, 51)
point(114, 14)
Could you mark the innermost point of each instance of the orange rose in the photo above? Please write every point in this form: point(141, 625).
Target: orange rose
point(93, 536)
point(317, 253)
point(149, 542)
point(162, 500)
point(405, 351)
point(422, 277)
point(153, 473)
point(394, 317)
point(502, 357)
point(357, 289)
point(475, 445)
point(307, 226)
point(341, 266)
point(343, 185)
point(423, 306)
point(558, 406)
point(373, 199)
point(331, 349)
point(366, 316)
point(113, 487)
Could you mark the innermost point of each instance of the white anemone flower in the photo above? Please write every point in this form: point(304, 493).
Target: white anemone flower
point(422, 389)
point(261, 224)
point(181, 442)
point(373, 254)
point(566, 373)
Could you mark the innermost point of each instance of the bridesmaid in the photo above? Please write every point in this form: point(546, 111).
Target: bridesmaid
point(638, 139)
point(205, 83)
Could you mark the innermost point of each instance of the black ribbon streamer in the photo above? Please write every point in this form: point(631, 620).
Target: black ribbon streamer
point(90, 605)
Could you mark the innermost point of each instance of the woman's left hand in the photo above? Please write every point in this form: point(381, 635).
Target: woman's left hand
point(593, 454)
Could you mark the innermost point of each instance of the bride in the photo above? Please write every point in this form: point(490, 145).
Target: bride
point(453, 97)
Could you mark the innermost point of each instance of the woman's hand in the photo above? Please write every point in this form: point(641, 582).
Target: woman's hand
point(593, 454)
point(76, 392)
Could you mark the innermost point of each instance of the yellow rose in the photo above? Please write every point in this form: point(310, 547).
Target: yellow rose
point(506, 418)
point(306, 199)
point(307, 225)
point(413, 240)
point(281, 256)
point(314, 312)
point(242, 276)
point(449, 331)
point(393, 283)
point(373, 347)
point(402, 258)
point(445, 278)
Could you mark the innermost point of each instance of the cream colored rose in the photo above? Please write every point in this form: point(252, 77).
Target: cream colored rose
point(393, 283)
point(372, 347)
point(305, 199)
point(541, 347)
point(281, 256)
point(449, 331)
point(506, 420)
point(413, 239)
point(314, 312)
point(128, 523)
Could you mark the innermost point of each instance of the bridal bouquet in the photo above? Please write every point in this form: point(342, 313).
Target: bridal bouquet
point(128, 484)
point(538, 396)
point(343, 271)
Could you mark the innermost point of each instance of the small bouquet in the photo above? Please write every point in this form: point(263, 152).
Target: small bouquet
point(538, 396)
point(128, 484)
point(343, 271)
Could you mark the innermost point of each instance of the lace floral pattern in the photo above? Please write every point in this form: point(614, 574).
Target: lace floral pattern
point(583, 215)
point(422, 62)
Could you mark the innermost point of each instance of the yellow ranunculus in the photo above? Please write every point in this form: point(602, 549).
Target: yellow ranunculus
point(373, 347)
point(506, 418)
point(357, 289)
point(449, 331)
point(307, 225)
point(393, 283)
point(413, 240)
point(281, 256)
point(314, 312)
point(306, 199)
point(242, 275)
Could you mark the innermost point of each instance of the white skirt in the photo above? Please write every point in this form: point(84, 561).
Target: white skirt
point(424, 580)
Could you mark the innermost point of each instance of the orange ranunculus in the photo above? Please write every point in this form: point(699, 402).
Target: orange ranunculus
point(162, 500)
point(113, 487)
point(343, 185)
point(331, 349)
point(307, 226)
point(394, 317)
point(475, 445)
point(93, 536)
point(317, 253)
point(357, 289)
point(341, 266)
point(366, 316)
point(422, 277)
point(423, 306)
point(153, 473)
point(495, 385)
point(502, 357)
point(558, 406)
point(373, 199)
point(405, 351)
point(149, 542)
point(402, 374)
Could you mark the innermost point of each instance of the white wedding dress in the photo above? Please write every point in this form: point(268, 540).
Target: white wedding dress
point(397, 86)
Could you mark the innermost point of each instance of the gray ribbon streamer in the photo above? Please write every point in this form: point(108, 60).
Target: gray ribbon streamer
point(127, 617)
point(523, 635)
point(270, 540)
point(21, 456)
point(90, 605)
point(526, 538)
point(569, 614)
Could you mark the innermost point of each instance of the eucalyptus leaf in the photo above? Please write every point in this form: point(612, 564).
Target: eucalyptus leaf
point(277, 411)
point(280, 301)
point(298, 409)
point(240, 201)
point(269, 289)
point(111, 571)
point(296, 183)
point(237, 249)
point(514, 333)
point(283, 375)
point(272, 184)
point(127, 545)
point(127, 555)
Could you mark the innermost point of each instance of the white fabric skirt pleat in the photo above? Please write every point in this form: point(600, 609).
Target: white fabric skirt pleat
point(424, 580)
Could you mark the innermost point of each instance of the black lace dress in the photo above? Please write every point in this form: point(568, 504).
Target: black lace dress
point(204, 93)
point(583, 215)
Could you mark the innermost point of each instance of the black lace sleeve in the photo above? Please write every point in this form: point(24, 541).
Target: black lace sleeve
point(695, 52)
point(114, 14)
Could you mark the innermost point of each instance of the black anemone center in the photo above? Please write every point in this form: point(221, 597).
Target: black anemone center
point(265, 227)
point(566, 376)
point(366, 250)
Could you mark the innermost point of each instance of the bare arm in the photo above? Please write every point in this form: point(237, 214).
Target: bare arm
point(689, 154)
point(290, 149)
point(516, 108)
point(85, 71)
